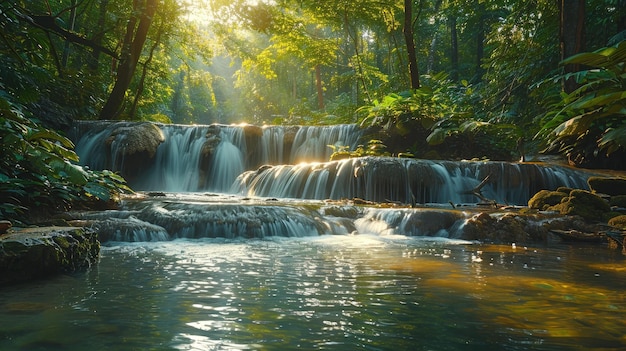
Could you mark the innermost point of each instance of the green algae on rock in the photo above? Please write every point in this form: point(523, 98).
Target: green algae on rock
point(33, 253)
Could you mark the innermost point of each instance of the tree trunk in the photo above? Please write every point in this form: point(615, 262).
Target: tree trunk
point(319, 87)
point(572, 36)
point(131, 51)
point(480, 42)
point(144, 73)
point(433, 44)
point(410, 44)
point(454, 49)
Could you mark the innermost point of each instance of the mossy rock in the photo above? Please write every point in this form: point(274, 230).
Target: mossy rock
point(33, 253)
point(583, 203)
point(618, 222)
point(619, 201)
point(564, 189)
point(545, 199)
point(609, 186)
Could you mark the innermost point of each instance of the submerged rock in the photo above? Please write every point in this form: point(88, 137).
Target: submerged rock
point(33, 253)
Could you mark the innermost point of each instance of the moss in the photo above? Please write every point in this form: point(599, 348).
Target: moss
point(618, 222)
point(544, 199)
point(564, 189)
point(610, 186)
point(583, 203)
point(39, 252)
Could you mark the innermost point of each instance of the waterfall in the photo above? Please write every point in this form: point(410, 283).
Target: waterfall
point(277, 181)
point(408, 181)
point(183, 158)
point(175, 167)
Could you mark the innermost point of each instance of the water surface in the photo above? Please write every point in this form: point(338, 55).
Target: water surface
point(344, 292)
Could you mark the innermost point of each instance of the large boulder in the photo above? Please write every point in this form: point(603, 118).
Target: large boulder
point(33, 253)
point(133, 147)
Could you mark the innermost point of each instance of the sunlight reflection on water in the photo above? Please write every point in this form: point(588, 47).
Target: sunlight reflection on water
point(328, 292)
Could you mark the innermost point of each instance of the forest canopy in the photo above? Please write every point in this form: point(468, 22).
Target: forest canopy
point(488, 74)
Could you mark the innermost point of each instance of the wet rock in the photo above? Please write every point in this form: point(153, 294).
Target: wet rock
point(4, 226)
point(618, 222)
point(618, 201)
point(545, 199)
point(609, 186)
point(504, 228)
point(583, 203)
point(342, 211)
point(34, 253)
point(133, 147)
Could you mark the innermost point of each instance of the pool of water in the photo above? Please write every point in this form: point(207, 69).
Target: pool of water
point(330, 292)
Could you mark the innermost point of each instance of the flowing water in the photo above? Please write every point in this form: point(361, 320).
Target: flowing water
point(225, 255)
point(332, 292)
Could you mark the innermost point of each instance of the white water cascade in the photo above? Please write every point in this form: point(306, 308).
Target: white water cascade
point(254, 182)
point(204, 158)
point(407, 181)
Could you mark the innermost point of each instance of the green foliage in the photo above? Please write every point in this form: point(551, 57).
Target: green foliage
point(374, 147)
point(591, 119)
point(37, 173)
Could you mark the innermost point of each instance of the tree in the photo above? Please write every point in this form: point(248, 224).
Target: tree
point(132, 46)
point(407, 29)
point(572, 30)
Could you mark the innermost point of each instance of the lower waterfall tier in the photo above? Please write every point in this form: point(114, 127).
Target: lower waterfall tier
point(174, 216)
point(409, 181)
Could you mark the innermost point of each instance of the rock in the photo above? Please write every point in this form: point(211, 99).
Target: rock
point(618, 201)
point(4, 226)
point(610, 186)
point(33, 253)
point(618, 222)
point(503, 228)
point(584, 204)
point(133, 147)
point(544, 199)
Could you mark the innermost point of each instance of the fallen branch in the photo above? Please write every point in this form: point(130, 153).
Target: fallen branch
point(477, 191)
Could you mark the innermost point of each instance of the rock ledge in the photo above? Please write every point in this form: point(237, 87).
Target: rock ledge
point(33, 253)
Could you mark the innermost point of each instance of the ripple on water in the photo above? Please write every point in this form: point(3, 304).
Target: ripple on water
point(332, 292)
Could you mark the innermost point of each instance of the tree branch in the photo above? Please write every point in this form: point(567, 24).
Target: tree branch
point(48, 24)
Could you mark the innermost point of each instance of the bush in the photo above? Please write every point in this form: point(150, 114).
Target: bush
point(37, 174)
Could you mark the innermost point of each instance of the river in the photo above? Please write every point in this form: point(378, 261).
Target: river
point(329, 292)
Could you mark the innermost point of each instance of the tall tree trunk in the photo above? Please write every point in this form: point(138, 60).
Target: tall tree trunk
point(454, 49)
point(357, 58)
point(410, 44)
point(430, 63)
point(144, 73)
point(572, 36)
point(131, 51)
point(319, 87)
point(480, 42)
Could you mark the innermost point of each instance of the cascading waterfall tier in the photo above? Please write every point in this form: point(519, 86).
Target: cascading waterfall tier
point(408, 181)
point(172, 216)
point(253, 182)
point(159, 157)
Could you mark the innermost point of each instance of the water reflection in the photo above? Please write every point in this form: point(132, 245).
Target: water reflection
point(327, 293)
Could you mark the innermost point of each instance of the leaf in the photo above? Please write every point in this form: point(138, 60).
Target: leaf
point(97, 190)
